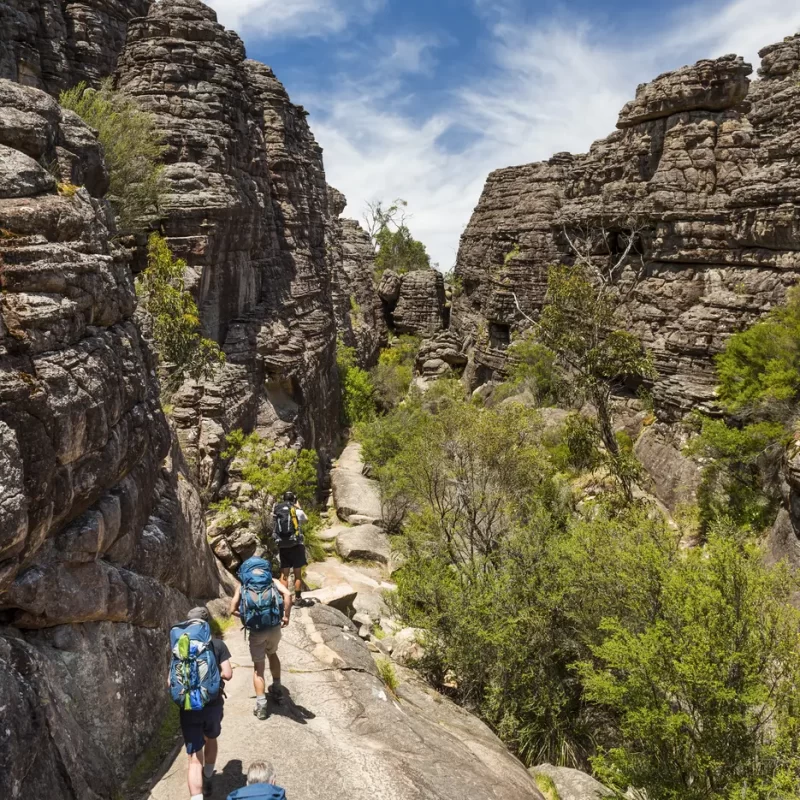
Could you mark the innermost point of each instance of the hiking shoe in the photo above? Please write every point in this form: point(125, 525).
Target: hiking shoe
point(260, 711)
point(207, 790)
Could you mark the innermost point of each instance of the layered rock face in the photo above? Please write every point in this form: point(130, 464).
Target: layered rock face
point(359, 312)
point(101, 541)
point(415, 303)
point(52, 45)
point(703, 164)
point(246, 208)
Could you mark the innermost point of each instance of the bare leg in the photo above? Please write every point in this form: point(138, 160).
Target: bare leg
point(196, 761)
point(285, 577)
point(298, 580)
point(258, 678)
point(210, 751)
point(274, 668)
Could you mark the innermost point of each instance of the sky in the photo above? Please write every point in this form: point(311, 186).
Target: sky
point(421, 99)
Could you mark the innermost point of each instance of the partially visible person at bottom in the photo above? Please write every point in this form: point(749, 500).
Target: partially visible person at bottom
point(200, 666)
point(261, 780)
point(264, 606)
point(288, 534)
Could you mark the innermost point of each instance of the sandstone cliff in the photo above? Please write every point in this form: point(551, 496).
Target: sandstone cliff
point(704, 160)
point(53, 45)
point(101, 541)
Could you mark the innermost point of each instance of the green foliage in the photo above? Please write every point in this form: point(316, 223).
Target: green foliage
point(533, 367)
point(229, 514)
point(580, 326)
point(740, 477)
point(759, 373)
point(132, 146)
point(270, 472)
point(396, 248)
point(177, 335)
point(356, 312)
point(388, 674)
point(706, 692)
point(358, 391)
point(394, 371)
point(759, 370)
point(546, 785)
point(511, 255)
point(311, 530)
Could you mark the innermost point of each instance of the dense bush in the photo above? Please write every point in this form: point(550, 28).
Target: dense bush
point(394, 371)
point(358, 391)
point(183, 351)
point(549, 618)
point(132, 146)
point(759, 374)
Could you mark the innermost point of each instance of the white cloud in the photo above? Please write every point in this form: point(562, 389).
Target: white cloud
point(269, 18)
point(546, 87)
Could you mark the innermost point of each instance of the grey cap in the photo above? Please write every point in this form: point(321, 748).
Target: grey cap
point(199, 612)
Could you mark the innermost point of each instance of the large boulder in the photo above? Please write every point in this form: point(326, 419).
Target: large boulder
point(420, 308)
point(572, 784)
point(356, 497)
point(364, 543)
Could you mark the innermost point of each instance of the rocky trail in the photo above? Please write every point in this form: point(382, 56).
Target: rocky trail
point(342, 733)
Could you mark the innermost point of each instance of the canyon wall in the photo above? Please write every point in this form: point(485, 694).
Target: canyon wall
point(704, 162)
point(102, 545)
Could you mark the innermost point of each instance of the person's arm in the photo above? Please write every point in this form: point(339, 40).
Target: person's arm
point(226, 670)
point(287, 601)
point(302, 518)
point(234, 609)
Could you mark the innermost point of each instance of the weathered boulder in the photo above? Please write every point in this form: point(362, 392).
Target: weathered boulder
point(340, 597)
point(440, 356)
point(702, 164)
point(572, 784)
point(406, 646)
point(355, 496)
point(364, 543)
point(675, 478)
point(102, 542)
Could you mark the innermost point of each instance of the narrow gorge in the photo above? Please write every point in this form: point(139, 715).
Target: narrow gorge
point(108, 490)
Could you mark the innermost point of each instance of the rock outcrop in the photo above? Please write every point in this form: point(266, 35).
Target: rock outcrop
point(703, 164)
point(440, 357)
point(359, 311)
point(356, 497)
point(53, 45)
point(572, 784)
point(102, 542)
point(415, 302)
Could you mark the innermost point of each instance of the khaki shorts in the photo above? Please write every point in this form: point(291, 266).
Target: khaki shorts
point(264, 643)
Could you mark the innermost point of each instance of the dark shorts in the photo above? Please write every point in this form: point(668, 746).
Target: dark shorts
point(197, 726)
point(292, 557)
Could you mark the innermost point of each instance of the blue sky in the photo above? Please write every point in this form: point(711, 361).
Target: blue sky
point(421, 99)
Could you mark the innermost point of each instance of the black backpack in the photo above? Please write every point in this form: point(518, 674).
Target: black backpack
point(286, 527)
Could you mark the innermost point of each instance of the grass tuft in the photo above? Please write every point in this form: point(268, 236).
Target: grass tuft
point(547, 787)
point(388, 675)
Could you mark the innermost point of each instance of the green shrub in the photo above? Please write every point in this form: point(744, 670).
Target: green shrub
point(388, 674)
point(132, 146)
point(183, 351)
point(394, 371)
point(358, 391)
point(706, 692)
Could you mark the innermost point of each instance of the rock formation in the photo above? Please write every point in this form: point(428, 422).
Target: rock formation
point(53, 45)
point(415, 302)
point(703, 163)
point(440, 357)
point(359, 312)
point(101, 541)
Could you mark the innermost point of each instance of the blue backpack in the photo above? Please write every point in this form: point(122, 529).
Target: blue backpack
point(258, 791)
point(261, 604)
point(194, 678)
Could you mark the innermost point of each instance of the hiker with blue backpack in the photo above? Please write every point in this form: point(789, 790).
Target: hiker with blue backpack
point(264, 605)
point(199, 667)
point(261, 784)
point(289, 519)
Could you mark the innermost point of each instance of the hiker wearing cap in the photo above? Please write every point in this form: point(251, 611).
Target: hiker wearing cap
point(264, 606)
point(199, 667)
point(288, 534)
point(261, 784)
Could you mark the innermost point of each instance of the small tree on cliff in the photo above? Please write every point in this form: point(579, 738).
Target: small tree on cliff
point(581, 326)
point(133, 149)
point(175, 320)
point(395, 247)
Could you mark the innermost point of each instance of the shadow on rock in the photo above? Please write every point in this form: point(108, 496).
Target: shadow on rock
point(288, 708)
point(231, 778)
